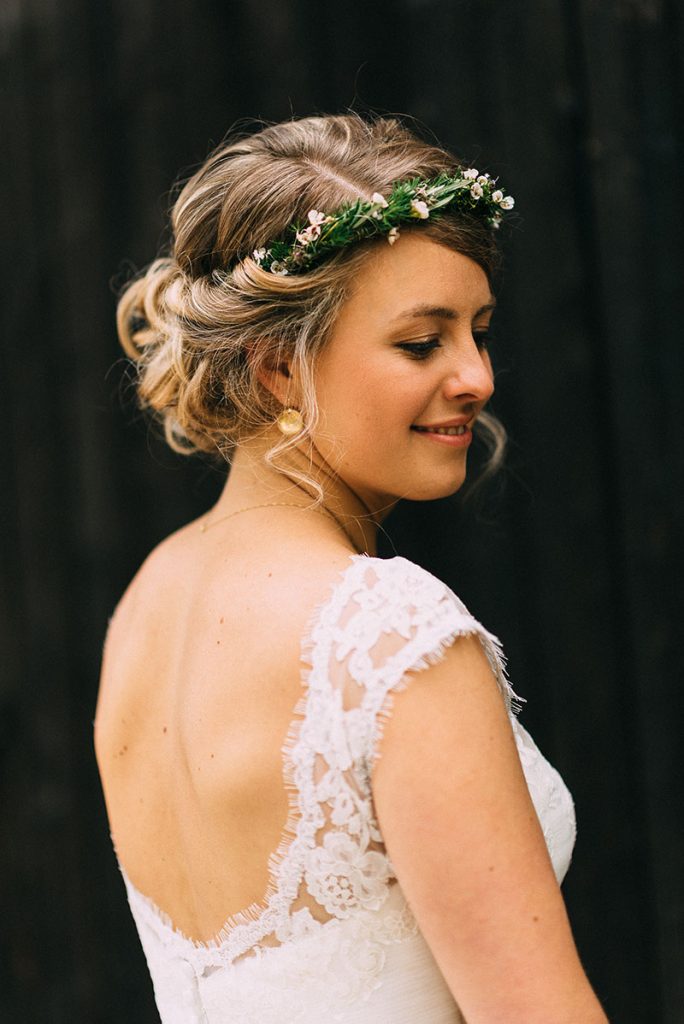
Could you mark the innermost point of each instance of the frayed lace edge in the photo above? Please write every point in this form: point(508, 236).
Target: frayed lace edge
point(495, 656)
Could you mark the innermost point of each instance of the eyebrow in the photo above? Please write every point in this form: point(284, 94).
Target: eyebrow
point(440, 312)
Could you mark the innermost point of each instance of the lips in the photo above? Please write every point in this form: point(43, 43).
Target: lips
point(449, 431)
point(455, 434)
point(453, 427)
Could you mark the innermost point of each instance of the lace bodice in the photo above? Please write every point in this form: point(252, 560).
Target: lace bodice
point(334, 938)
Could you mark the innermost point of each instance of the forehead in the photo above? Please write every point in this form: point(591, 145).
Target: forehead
point(416, 273)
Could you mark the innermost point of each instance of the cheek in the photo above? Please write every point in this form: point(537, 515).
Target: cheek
point(384, 399)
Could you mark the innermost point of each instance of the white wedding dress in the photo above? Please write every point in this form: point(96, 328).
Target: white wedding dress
point(334, 939)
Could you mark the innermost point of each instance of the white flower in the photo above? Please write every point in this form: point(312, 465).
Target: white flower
point(471, 173)
point(315, 217)
point(483, 179)
point(258, 255)
point(340, 876)
point(507, 203)
point(308, 234)
point(419, 209)
point(379, 203)
point(393, 235)
point(476, 190)
point(279, 268)
point(497, 196)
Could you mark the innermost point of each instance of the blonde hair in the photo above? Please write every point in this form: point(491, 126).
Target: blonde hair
point(191, 318)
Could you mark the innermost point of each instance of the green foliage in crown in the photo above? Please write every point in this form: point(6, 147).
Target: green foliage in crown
point(305, 245)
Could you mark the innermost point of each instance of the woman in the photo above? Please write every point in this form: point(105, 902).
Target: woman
point(322, 805)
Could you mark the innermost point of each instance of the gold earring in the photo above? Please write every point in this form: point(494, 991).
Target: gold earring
point(290, 422)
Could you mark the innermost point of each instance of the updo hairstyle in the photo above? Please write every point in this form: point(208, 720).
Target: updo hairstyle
point(189, 320)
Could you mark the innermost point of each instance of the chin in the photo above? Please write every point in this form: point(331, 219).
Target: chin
point(432, 490)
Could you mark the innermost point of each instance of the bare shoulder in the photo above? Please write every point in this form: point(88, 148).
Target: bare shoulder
point(160, 565)
point(293, 560)
point(288, 570)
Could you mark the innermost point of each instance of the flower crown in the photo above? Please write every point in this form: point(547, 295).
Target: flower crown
point(418, 198)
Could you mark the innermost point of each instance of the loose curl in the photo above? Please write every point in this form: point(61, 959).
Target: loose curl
point(201, 322)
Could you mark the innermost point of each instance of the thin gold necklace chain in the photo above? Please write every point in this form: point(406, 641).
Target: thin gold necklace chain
point(206, 525)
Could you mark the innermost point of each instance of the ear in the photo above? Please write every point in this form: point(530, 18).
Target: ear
point(275, 374)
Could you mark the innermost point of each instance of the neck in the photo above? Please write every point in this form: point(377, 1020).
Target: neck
point(252, 481)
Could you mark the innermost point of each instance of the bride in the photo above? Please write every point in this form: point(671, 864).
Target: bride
point(322, 803)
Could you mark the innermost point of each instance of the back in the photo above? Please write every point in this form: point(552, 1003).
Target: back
point(201, 673)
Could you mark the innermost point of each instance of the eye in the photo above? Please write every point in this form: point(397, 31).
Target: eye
point(483, 339)
point(419, 349)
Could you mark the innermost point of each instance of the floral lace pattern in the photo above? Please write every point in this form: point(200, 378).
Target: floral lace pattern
point(333, 900)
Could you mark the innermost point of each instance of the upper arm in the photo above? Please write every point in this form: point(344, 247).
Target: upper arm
point(465, 841)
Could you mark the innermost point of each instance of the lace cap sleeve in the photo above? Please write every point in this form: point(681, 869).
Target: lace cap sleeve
point(389, 617)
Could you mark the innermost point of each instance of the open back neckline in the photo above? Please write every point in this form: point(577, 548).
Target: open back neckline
point(255, 912)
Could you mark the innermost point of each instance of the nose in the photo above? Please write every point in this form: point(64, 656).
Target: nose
point(470, 375)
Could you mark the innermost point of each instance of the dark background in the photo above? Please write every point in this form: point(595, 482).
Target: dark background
point(571, 556)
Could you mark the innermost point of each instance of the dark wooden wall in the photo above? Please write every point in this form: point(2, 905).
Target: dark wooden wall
point(571, 557)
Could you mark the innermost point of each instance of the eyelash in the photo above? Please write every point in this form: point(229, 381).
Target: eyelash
point(423, 349)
